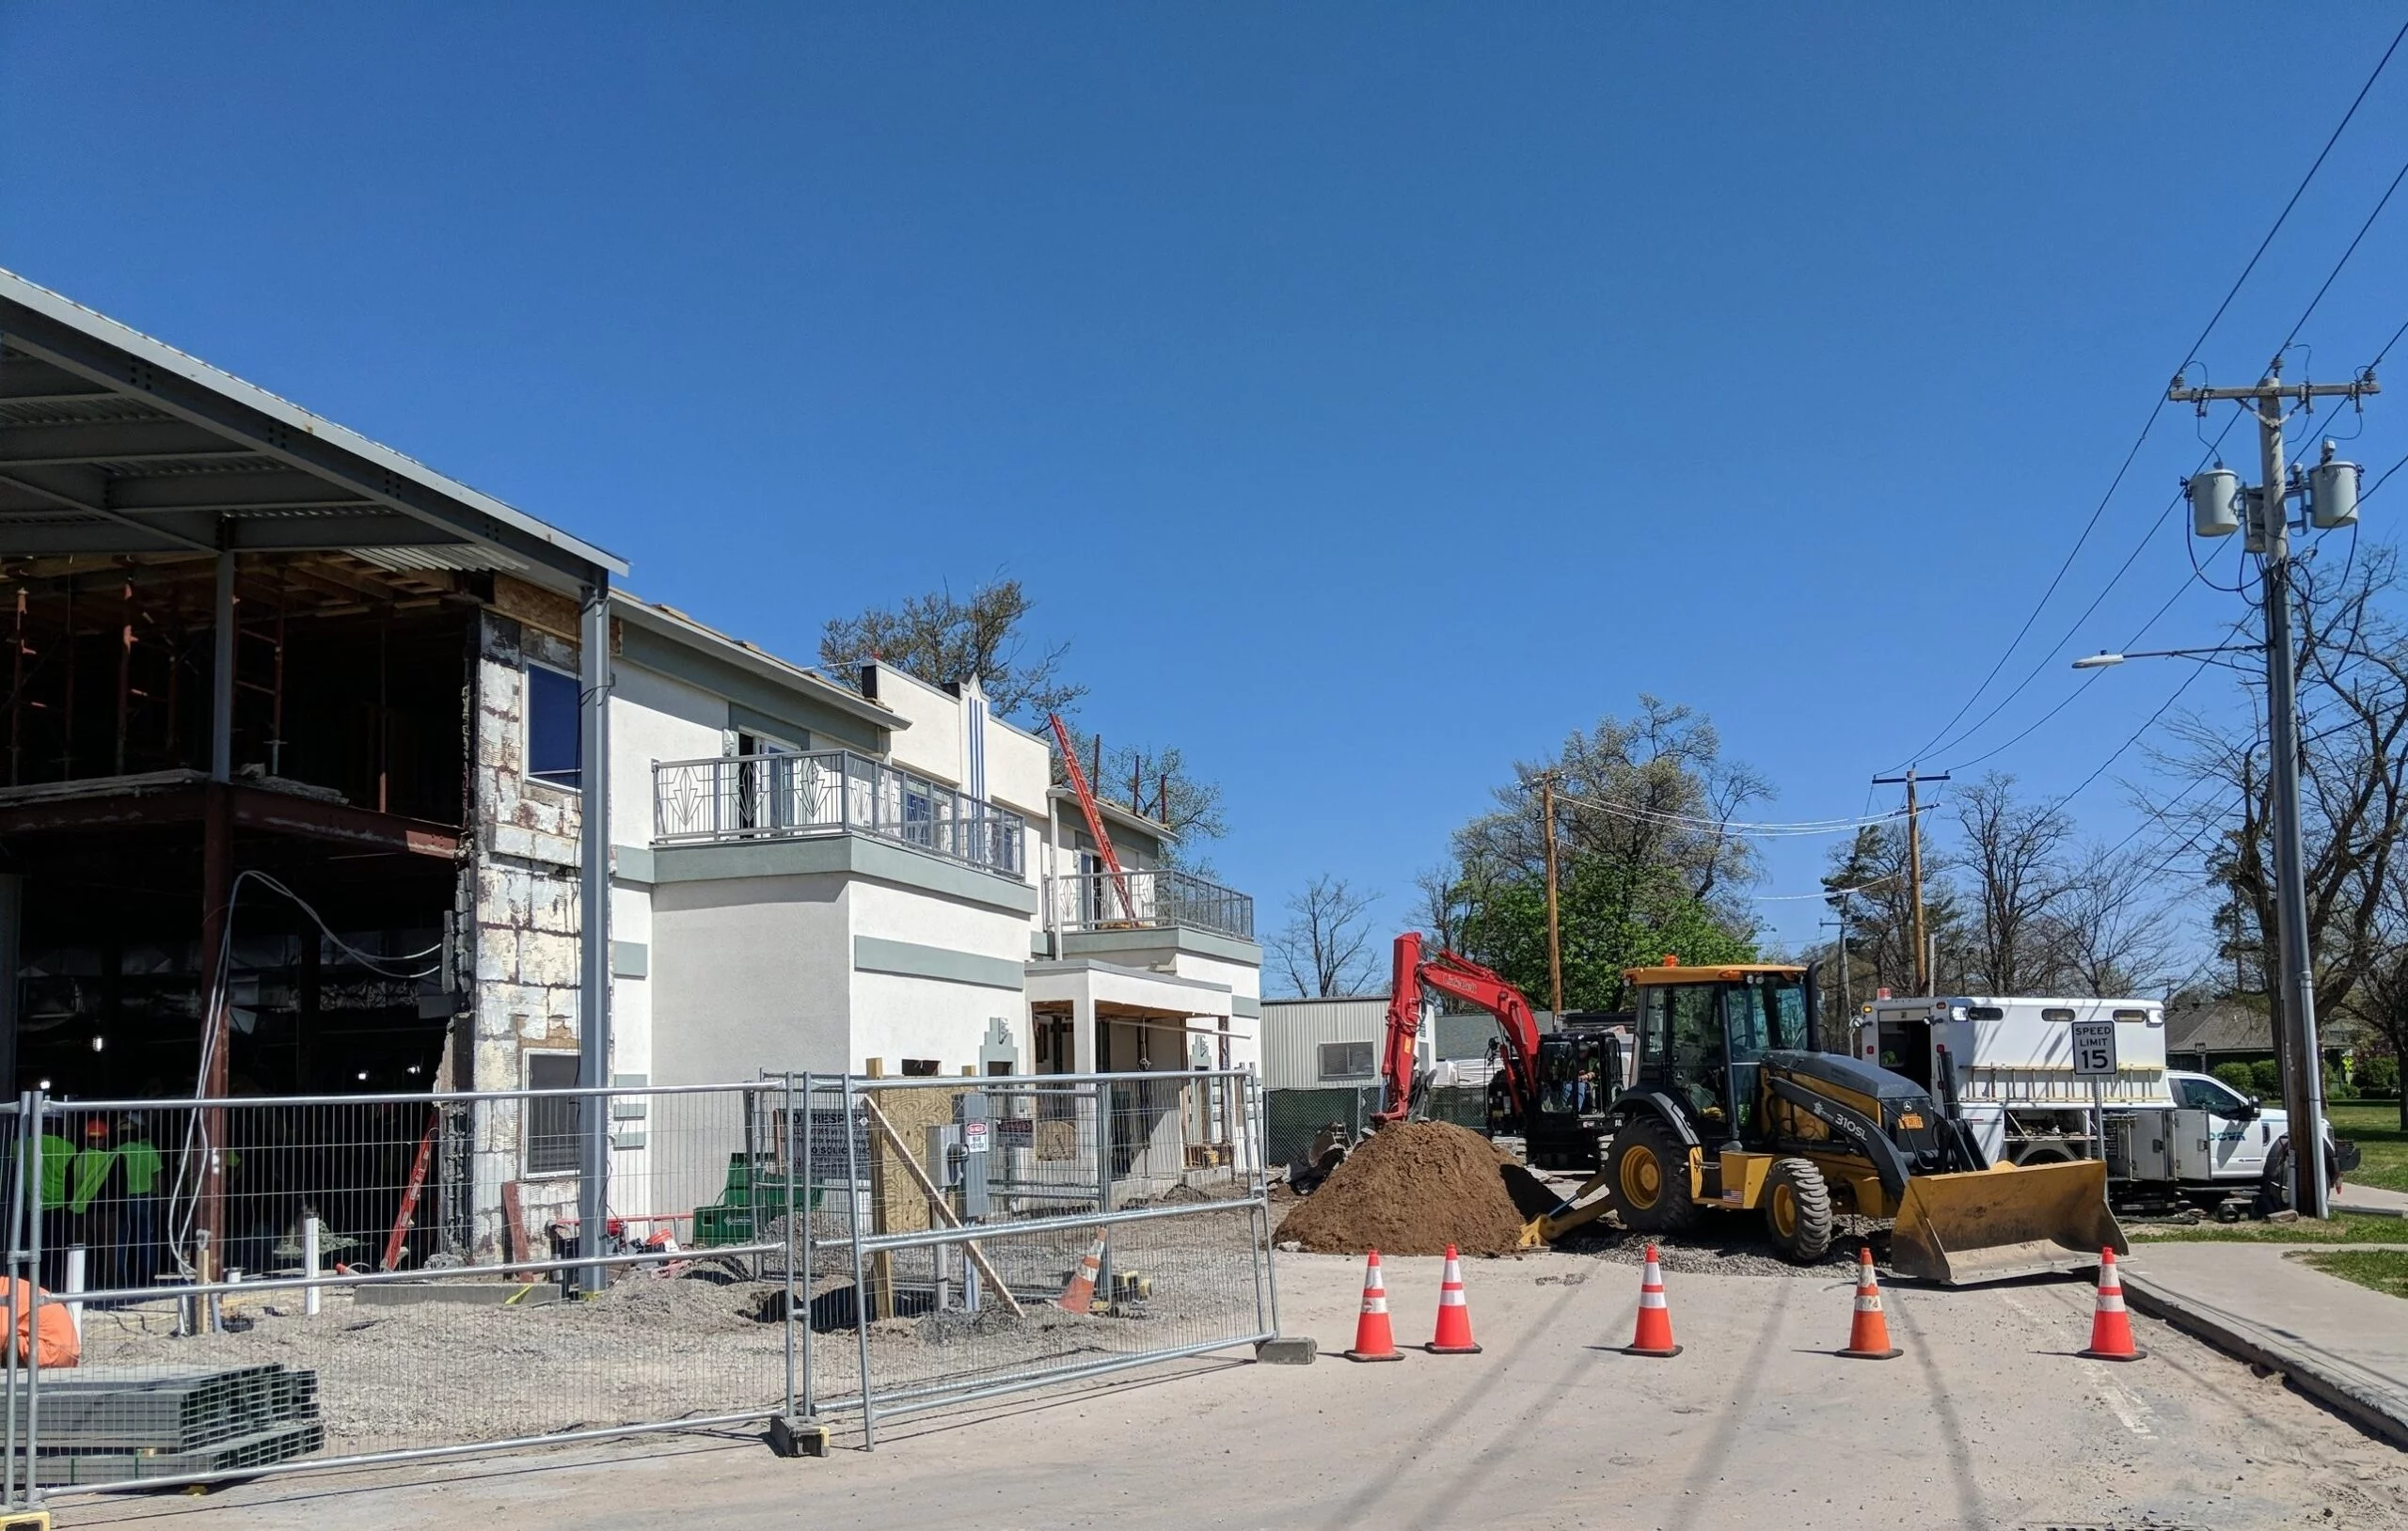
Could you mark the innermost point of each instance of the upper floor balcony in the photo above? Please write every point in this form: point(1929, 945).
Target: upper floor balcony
point(831, 792)
point(1154, 899)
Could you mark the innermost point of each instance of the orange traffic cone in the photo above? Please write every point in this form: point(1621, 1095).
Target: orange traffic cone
point(1868, 1335)
point(1078, 1296)
point(1454, 1314)
point(1373, 1339)
point(1654, 1334)
point(2111, 1326)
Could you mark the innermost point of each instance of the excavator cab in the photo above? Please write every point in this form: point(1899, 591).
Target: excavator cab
point(1579, 1073)
point(1733, 1107)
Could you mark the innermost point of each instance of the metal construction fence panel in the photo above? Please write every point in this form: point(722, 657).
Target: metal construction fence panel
point(204, 1290)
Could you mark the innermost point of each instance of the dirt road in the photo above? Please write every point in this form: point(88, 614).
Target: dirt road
point(1987, 1421)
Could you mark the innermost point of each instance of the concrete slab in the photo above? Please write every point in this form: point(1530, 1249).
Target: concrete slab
point(2372, 1200)
point(2342, 1343)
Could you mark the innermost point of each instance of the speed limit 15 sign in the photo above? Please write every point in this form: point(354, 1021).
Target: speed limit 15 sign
point(2094, 1049)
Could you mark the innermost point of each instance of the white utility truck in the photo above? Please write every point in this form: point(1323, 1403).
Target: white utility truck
point(2028, 1073)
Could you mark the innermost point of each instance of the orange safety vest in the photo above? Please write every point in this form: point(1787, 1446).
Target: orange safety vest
point(58, 1346)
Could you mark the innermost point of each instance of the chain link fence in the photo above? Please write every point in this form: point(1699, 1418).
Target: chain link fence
point(1296, 1117)
point(200, 1291)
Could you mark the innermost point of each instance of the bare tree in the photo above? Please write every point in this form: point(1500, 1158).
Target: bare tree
point(1870, 887)
point(2110, 932)
point(1155, 785)
point(1325, 947)
point(2354, 781)
point(944, 641)
point(2380, 999)
point(2013, 858)
point(1446, 903)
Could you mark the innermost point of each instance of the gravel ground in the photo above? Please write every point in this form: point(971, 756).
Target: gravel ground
point(653, 1349)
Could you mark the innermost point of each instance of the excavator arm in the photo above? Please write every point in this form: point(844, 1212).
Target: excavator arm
point(1465, 980)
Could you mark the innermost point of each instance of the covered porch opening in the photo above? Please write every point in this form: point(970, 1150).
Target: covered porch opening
point(1093, 1018)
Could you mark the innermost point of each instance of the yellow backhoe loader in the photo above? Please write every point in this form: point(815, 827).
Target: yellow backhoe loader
point(1732, 1109)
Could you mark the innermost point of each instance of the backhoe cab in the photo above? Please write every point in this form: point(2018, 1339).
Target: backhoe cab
point(1731, 1108)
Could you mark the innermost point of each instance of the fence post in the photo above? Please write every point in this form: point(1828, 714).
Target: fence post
point(312, 1297)
point(786, 1163)
point(79, 1265)
point(1104, 1180)
point(810, 1393)
point(23, 1185)
point(30, 1326)
point(1258, 1129)
point(861, 1292)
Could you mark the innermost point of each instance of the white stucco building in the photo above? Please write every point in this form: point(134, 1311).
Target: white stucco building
point(809, 877)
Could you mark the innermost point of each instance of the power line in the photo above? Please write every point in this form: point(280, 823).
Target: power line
point(1827, 893)
point(2162, 708)
point(2087, 681)
point(2158, 407)
point(2387, 345)
point(2130, 559)
point(1739, 828)
point(2381, 203)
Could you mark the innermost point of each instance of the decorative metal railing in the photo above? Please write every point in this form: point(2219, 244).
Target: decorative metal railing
point(826, 792)
point(1155, 899)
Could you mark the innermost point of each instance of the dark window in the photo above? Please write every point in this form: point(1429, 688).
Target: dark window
point(553, 743)
point(551, 1120)
point(1345, 1060)
point(1652, 1023)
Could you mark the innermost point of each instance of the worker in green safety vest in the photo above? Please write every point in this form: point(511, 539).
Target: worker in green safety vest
point(143, 1168)
point(93, 1208)
point(57, 1158)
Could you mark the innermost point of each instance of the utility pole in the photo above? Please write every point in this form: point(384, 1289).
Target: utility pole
point(2212, 502)
point(1848, 990)
point(1924, 975)
point(1554, 931)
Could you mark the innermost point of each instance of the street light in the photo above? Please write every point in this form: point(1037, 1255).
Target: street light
point(2102, 659)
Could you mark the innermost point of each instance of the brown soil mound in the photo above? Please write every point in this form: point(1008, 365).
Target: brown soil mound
point(1414, 1188)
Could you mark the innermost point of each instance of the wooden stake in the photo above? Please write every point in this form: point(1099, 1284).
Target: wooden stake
point(937, 1204)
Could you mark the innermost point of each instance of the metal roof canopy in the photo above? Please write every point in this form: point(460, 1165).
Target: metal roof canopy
point(114, 443)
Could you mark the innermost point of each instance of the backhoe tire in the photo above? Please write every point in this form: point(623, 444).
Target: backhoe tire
point(1797, 1211)
point(1651, 1177)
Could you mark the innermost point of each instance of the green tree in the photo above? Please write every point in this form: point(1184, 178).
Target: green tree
point(1647, 861)
point(1613, 918)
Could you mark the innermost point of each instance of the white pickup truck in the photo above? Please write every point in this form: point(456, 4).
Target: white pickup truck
point(2169, 1135)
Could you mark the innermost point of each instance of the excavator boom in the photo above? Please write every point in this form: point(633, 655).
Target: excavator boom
point(1462, 979)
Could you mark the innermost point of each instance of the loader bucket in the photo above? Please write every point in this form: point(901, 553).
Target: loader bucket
point(1992, 1224)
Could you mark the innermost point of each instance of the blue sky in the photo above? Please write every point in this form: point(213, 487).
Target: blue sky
point(1368, 394)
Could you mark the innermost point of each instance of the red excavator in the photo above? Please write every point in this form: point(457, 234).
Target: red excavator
point(1553, 1091)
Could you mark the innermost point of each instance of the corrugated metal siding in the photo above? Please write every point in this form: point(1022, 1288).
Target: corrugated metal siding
point(1294, 1030)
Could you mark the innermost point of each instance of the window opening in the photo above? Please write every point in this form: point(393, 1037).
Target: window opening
point(554, 747)
point(551, 1120)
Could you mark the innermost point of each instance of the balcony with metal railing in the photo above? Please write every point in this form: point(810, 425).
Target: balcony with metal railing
point(1155, 899)
point(831, 792)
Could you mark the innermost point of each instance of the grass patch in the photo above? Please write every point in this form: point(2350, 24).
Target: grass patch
point(2382, 1270)
point(2375, 1129)
point(2349, 1228)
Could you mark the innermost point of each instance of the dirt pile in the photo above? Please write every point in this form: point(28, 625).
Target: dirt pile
point(1414, 1188)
